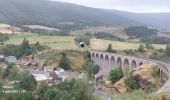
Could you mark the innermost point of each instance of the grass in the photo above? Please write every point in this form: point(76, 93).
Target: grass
point(99, 44)
point(55, 42)
point(67, 42)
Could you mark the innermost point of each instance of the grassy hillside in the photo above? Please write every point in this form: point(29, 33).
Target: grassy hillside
point(53, 13)
point(99, 44)
point(55, 42)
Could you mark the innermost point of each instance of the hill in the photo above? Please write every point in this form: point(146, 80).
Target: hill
point(68, 16)
point(57, 14)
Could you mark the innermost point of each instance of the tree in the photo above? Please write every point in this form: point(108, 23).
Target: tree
point(168, 50)
point(141, 48)
point(95, 69)
point(64, 62)
point(115, 74)
point(42, 88)
point(25, 45)
point(109, 49)
point(81, 91)
point(27, 81)
point(132, 82)
point(50, 94)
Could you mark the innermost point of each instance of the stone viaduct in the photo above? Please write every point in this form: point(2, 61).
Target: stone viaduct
point(108, 61)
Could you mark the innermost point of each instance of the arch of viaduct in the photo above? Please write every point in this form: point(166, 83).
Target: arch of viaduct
point(108, 61)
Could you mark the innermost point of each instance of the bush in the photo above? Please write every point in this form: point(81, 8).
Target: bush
point(149, 46)
point(168, 50)
point(149, 88)
point(129, 51)
point(132, 82)
point(115, 75)
point(141, 48)
point(85, 39)
point(110, 49)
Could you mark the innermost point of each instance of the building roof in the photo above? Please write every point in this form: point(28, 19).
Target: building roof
point(11, 59)
point(40, 77)
point(69, 75)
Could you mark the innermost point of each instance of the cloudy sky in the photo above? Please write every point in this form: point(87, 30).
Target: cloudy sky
point(138, 6)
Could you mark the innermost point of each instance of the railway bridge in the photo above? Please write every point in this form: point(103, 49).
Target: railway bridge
point(108, 61)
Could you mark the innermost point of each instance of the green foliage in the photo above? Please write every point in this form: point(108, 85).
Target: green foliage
point(150, 88)
point(149, 46)
point(153, 39)
point(27, 81)
point(135, 95)
point(132, 82)
point(141, 48)
point(107, 36)
point(168, 50)
point(65, 62)
point(50, 94)
point(19, 96)
point(42, 88)
point(92, 69)
point(140, 31)
point(115, 75)
point(110, 49)
point(70, 90)
point(129, 51)
point(24, 49)
point(85, 39)
point(3, 37)
point(95, 69)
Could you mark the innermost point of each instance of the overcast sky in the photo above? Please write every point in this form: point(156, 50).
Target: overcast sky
point(138, 6)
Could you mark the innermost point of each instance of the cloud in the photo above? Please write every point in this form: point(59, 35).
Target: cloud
point(126, 5)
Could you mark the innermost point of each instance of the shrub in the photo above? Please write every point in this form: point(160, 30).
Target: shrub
point(110, 49)
point(129, 51)
point(141, 48)
point(151, 87)
point(132, 82)
point(115, 75)
point(168, 50)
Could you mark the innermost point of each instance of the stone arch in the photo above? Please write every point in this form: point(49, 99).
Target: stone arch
point(133, 64)
point(141, 63)
point(97, 59)
point(92, 56)
point(119, 62)
point(126, 64)
point(106, 63)
point(101, 62)
point(112, 62)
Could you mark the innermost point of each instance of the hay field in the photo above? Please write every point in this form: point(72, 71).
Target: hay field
point(99, 44)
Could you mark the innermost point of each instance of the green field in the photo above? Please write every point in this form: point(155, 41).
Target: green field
point(55, 42)
point(67, 42)
point(99, 44)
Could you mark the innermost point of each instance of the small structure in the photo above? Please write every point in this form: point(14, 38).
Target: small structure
point(40, 77)
point(68, 75)
point(2, 58)
point(59, 70)
point(11, 59)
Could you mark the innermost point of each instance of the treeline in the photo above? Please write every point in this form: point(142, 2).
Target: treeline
point(85, 39)
point(3, 37)
point(107, 36)
point(24, 49)
point(140, 31)
point(155, 39)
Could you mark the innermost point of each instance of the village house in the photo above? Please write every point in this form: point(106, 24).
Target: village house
point(11, 59)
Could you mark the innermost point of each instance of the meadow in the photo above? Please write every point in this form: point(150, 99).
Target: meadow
point(99, 44)
point(54, 42)
point(67, 42)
